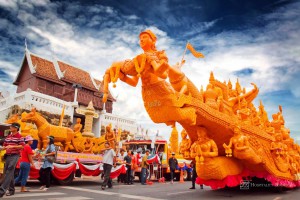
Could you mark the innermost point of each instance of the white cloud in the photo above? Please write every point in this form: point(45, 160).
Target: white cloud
point(9, 4)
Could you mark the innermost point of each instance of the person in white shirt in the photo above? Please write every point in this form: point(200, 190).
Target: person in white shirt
point(109, 160)
point(120, 159)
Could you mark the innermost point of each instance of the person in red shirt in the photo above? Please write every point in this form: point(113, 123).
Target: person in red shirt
point(26, 160)
point(138, 157)
point(134, 165)
point(13, 144)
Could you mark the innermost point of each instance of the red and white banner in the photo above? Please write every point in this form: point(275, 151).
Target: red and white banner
point(116, 171)
point(63, 171)
point(152, 159)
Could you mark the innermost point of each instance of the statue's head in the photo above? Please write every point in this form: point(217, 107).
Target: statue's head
point(202, 133)
point(236, 128)
point(78, 120)
point(108, 128)
point(147, 40)
point(29, 116)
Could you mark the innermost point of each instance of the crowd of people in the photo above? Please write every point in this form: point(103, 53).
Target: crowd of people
point(16, 146)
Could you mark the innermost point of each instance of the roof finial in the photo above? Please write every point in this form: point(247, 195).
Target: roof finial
point(52, 53)
point(59, 73)
point(26, 44)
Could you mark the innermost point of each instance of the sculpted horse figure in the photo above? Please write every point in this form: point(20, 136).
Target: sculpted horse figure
point(61, 134)
point(26, 129)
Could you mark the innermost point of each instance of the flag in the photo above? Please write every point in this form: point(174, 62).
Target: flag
point(193, 51)
point(153, 158)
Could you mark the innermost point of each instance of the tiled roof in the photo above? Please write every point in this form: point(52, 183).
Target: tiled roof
point(44, 68)
point(76, 75)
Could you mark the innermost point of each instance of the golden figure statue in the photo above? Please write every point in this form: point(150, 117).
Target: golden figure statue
point(210, 97)
point(185, 144)
point(241, 147)
point(110, 136)
point(203, 147)
point(244, 112)
point(255, 119)
point(277, 147)
point(263, 115)
point(174, 140)
point(231, 92)
point(78, 140)
point(129, 72)
point(88, 145)
point(98, 144)
point(78, 126)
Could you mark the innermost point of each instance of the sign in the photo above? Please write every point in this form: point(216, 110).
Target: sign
point(83, 157)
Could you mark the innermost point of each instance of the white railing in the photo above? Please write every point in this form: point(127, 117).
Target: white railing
point(29, 99)
point(119, 122)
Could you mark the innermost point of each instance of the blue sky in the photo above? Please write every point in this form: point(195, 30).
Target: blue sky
point(255, 41)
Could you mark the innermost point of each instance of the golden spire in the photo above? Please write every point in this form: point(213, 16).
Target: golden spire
point(238, 87)
point(211, 77)
point(229, 85)
point(261, 104)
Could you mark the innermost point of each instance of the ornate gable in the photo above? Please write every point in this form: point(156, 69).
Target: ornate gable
point(76, 75)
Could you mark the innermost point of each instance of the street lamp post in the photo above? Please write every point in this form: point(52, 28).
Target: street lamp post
point(76, 86)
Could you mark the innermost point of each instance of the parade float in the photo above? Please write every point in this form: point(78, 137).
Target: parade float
point(77, 152)
point(229, 139)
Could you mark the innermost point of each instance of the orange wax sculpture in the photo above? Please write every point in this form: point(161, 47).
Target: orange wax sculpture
point(229, 138)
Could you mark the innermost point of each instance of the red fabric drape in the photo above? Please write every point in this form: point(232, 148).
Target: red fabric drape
point(62, 174)
point(116, 173)
point(34, 173)
point(87, 171)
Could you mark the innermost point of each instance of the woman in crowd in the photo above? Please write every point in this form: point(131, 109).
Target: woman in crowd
point(26, 160)
point(45, 171)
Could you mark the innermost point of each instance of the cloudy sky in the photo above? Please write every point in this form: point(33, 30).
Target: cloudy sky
point(253, 40)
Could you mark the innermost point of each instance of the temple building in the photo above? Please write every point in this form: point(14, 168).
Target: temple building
point(51, 85)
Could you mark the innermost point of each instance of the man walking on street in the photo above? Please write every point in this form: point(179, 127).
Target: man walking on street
point(13, 144)
point(109, 160)
point(173, 165)
point(194, 175)
point(128, 162)
point(144, 167)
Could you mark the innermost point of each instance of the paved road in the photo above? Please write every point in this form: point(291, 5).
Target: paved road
point(85, 189)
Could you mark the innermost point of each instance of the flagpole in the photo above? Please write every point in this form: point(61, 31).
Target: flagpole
point(184, 53)
point(62, 115)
